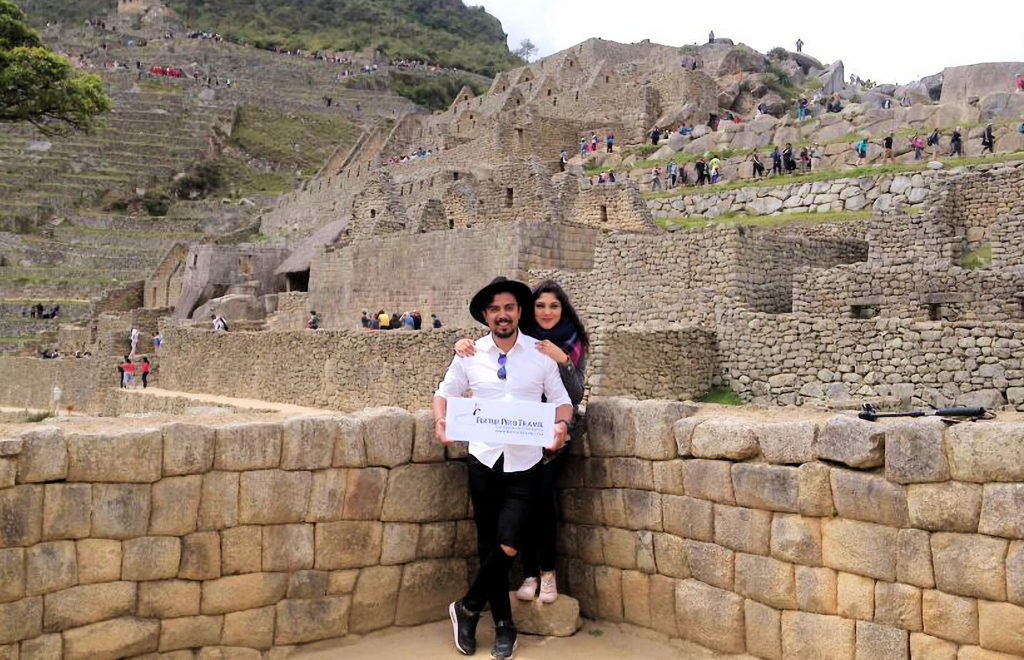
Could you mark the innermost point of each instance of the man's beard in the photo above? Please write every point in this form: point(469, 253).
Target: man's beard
point(504, 331)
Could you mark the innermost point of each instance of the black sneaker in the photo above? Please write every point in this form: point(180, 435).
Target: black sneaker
point(505, 640)
point(463, 627)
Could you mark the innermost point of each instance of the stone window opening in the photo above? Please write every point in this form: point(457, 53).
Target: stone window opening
point(554, 101)
point(509, 197)
point(604, 213)
point(519, 136)
point(455, 176)
point(864, 312)
point(373, 213)
point(451, 223)
point(298, 281)
point(245, 264)
point(549, 92)
point(607, 79)
point(195, 260)
point(577, 95)
point(934, 311)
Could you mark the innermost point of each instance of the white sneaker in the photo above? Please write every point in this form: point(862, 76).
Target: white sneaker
point(548, 587)
point(528, 591)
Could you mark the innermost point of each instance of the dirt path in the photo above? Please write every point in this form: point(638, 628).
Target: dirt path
point(217, 400)
point(433, 641)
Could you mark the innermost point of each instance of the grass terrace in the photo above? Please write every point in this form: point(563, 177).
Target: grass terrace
point(780, 220)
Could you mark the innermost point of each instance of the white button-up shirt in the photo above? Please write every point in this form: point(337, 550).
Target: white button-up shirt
point(529, 375)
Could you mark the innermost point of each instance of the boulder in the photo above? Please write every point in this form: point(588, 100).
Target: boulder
point(934, 86)
point(916, 92)
point(960, 83)
point(833, 79)
point(233, 306)
point(1001, 105)
point(558, 619)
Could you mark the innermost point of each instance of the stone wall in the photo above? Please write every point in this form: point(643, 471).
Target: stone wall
point(29, 382)
point(667, 363)
point(825, 538)
point(236, 539)
point(793, 358)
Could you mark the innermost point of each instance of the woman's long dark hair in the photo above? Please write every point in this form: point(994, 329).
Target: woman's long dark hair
point(568, 311)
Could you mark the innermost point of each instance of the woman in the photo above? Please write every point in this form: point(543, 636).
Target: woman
point(145, 368)
point(563, 339)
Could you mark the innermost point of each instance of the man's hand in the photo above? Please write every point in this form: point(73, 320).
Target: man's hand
point(561, 435)
point(442, 433)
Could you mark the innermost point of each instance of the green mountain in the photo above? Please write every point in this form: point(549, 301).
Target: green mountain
point(446, 32)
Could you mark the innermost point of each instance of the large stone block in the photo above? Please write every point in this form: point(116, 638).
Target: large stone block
point(926, 647)
point(669, 477)
point(165, 599)
point(242, 592)
point(399, 544)
point(855, 596)
point(766, 580)
point(109, 640)
point(796, 539)
point(364, 493)
point(947, 507)
point(8, 472)
point(978, 653)
point(670, 554)
point(986, 452)
point(859, 547)
point(44, 647)
point(852, 442)
point(1001, 511)
point(21, 515)
point(82, 605)
point(1015, 573)
point(876, 642)
point(310, 619)
point(636, 598)
point(815, 490)
point(241, 550)
point(350, 450)
point(427, 588)
point(190, 632)
point(151, 558)
point(188, 449)
point(200, 556)
point(914, 558)
point(743, 530)
point(272, 497)
point(771, 487)
point(950, 617)
point(348, 544)
point(388, 434)
point(914, 452)
point(724, 438)
point(437, 540)
point(308, 584)
point(22, 619)
point(426, 493)
point(624, 472)
point(711, 563)
point(327, 497)
point(120, 511)
point(763, 629)
point(808, 636)
point(608, 590)
point(558, 619)
point(709, 616)
point(50, 567)
point(134, 457)
point(234, 653)
point(816, 589)
point(175, 505)
point(663, 605)
point(67, 511)
point(307, 443)
point(1001, 626)
point(99, 560)
point(426, 448)
point(43, 457)
point(642, 508)
point(218, 501)
point(251, 628)
point(287, 547)
point(12, 574)
point(683, 431)
point(688, 517)
point(652, 428)
point(248, 447)
point(869, 498)
point(970, 565)
point(788, 442)
point(898, 605)
point(375, 598)
point(610, 426)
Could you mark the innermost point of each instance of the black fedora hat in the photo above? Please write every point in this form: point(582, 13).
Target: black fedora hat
point(500, 284)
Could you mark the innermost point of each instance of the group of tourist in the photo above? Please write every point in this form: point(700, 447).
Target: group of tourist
point(407, 321)
point(38, 311)
point(592, 145)
point(413, 155)
point(126, 370)
point(535, 351)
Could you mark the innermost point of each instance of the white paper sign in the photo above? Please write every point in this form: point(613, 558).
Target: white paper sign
point(501, 422)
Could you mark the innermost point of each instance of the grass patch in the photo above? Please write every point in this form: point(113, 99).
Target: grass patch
point(32, 418)
point(290, 140)
point(722, 395)
point(975, 259)
point(783, 219)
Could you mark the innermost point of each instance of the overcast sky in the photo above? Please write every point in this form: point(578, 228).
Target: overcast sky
point(885, 40)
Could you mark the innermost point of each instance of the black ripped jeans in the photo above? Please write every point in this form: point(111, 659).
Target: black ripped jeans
point(501, 503)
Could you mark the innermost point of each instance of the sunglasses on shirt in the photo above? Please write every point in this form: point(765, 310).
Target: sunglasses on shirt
point(502, 374)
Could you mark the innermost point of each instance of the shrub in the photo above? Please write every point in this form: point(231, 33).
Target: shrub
point(198, 182)
point(156, 203)
point(778, 53)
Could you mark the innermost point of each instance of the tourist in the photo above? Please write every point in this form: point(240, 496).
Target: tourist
point(702, 171)
point(816, 155)
point(609, 141)
point(364, 320)
point(655, 178)
point(133, 337)
point(375, 322)
point(711, 37)
point(120, 373)
point(787, 158)
point(144, 368)
point(799, 45)
point(158, 340)
point(417, 320)
point(805, 160)
point(861, 148)
point(887, 146)
point(128, 368)
point(313, 322)
point(988, 140)
point(776, 161)
point(714, 166)
point(933, 142)
point(1020, 82)
point(917, 143)
point(563, 159)
point(655, 135)
point(593, 142)
point(956, 143)
point(583, 147)
point(384, 320)
point(436, 322)
point(562, 338)
point(673, 174)
point(802, 109)
point(611, 175)
point(408, 322)
point(504, 480)
point(396, 321)
point(758, 166)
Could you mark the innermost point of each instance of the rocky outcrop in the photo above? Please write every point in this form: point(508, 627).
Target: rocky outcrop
point(962, 83)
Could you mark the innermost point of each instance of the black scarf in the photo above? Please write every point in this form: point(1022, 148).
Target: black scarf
point(562, 335)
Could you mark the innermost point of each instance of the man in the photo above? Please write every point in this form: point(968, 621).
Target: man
point(988, 140)
point(134, 339)
point(799, 45)
point(563, 158)
point(364, 320)
point(502, 478)
point(887, 146)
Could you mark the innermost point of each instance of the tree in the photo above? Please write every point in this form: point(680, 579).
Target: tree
point(39, 86)
point(526, 50)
